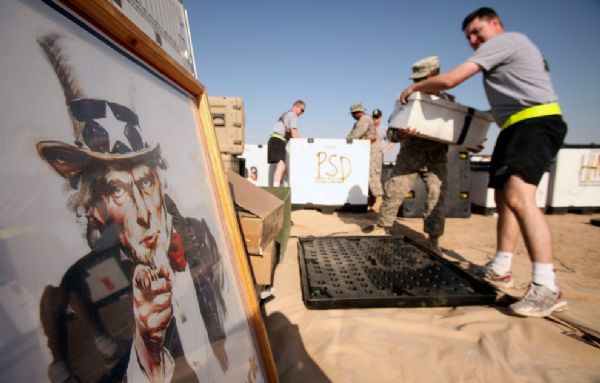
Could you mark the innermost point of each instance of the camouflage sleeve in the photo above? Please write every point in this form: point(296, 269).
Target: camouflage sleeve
point(359, 130)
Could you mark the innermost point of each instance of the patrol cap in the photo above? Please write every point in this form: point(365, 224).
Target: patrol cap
point(377, 113)
point(358, 107)
point(423, 67)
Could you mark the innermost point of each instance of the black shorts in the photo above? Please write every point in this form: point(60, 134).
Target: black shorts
point(275, 150)
point(526, 148)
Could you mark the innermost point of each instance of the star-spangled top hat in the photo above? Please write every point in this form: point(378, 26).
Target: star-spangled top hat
point(111, 133)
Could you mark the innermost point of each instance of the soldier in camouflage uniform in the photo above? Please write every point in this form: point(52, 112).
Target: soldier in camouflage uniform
point(376, 163)
point(365, 129)
point(418, 157)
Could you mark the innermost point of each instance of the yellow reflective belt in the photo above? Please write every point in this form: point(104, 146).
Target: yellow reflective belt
point(277, 135)
point(534, 111)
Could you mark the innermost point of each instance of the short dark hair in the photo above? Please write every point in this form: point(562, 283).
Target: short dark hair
point(481, 13)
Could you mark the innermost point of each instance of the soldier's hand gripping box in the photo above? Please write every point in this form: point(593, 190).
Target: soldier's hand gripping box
point(442, 120)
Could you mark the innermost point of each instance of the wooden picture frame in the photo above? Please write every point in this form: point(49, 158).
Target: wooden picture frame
point(82, 289)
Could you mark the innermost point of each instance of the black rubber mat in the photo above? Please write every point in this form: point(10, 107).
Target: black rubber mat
point(369, 271)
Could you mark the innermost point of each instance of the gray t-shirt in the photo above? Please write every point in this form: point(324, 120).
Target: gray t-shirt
point(515, 74)
point(286, 122)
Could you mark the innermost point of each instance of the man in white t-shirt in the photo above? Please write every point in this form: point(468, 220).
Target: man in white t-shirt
point(519, 89)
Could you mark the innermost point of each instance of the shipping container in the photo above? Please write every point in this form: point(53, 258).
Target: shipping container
point(482, 196)
point(228, 120)
point(328, 172)
point(165, 22)
point(575, 180)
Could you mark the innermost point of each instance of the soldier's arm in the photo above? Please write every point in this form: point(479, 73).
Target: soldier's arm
point(442, 81)
point(401, 134)
point(359, 130)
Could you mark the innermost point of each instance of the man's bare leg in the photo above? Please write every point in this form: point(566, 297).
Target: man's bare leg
point(518, 213)
point(543, 296)
point(519, 197)
point(507, 226)
point(279, 173)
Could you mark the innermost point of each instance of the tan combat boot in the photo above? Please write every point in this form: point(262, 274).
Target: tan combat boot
point(377, 204)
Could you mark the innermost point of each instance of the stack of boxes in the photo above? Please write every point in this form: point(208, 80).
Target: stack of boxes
point(261, 217)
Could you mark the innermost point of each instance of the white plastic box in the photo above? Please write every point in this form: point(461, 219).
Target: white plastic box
point(329, 172)
point(575, 179)
point(442, 120)
point(257, 169)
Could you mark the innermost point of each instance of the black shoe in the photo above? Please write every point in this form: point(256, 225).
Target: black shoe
point(377, 230)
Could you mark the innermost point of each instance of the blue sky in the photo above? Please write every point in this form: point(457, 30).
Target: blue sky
point(333, 54)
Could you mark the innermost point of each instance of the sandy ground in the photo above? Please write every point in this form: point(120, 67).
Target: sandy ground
point(447, 344)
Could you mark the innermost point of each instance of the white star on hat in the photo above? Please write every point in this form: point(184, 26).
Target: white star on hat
point(114, 127)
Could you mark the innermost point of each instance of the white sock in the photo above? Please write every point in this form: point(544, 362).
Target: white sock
point(543, 274)
point(277, 184)
point(502, 262)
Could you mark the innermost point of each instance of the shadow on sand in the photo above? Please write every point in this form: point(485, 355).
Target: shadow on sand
point(291, 359)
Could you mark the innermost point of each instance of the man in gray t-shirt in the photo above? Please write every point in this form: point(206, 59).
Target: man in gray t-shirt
point(285, 127)
point(515, 74)
point(518, 87)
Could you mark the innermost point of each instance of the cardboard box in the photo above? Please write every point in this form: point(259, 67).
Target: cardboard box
point(260, 215)
point(442, 120)
point(285, 195)
point(263, 265)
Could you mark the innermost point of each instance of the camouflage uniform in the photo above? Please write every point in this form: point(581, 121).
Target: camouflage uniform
point(424, 158)
point(364, 128)
point(427, 159)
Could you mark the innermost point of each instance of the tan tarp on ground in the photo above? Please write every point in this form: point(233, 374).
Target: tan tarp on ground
point(464, 344)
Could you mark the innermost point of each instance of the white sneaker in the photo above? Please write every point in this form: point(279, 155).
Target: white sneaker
point(539, 301)
point(502, 281)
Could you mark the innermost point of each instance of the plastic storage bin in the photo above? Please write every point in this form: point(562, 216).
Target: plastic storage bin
point(442, 120)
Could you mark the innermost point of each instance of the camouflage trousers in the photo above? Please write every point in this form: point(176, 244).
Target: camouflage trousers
point(375, 172)
point(401, 183)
